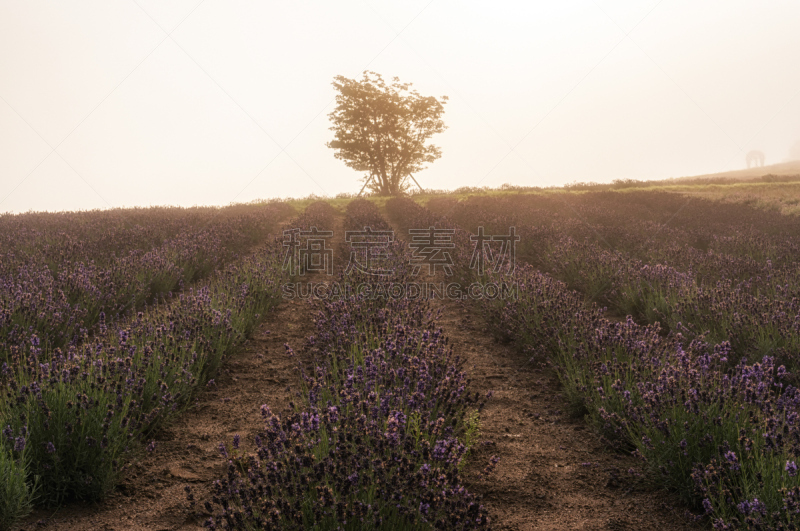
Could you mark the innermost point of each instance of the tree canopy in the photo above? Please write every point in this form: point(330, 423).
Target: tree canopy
point(382, 129)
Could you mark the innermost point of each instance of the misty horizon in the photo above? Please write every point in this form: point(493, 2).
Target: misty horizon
point(202, 103)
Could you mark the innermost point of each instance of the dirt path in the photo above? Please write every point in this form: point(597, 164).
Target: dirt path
point(151, 495)
point(553, 473)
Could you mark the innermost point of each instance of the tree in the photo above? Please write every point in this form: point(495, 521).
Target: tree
point(382, 129)
point(794, 153)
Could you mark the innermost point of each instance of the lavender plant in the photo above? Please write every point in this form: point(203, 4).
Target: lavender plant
point(710, 425)
point(61, 302)
point(718, 435)
point(16, 495)
point(85, 408)
point(378, 436)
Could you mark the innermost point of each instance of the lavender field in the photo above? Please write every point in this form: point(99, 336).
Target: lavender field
point(671, 325)
point(674, 326)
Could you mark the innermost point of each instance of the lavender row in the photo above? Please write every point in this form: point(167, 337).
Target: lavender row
point(382, 424)
point(725, 435)
point(694, 237)
point(53, 239)
point(755, 323)
point(60, 305)
point(726, 438)
point(407, 214)
point(71, 418)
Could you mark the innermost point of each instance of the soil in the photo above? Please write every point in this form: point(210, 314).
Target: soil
point(553, 474)
point(151, 495)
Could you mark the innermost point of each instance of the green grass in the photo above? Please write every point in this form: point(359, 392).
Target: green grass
point(783, 197)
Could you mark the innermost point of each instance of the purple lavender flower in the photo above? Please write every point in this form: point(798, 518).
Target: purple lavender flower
point(791, 468)
point(19, 444)
point(733, 461)
point(748, 507)
point(707, 506)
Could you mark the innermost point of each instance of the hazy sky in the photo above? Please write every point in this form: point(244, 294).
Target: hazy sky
point(190, 102)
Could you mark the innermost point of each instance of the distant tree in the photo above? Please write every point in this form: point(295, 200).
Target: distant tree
point(794, 153)
point(755, 157)
point(382, 129)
